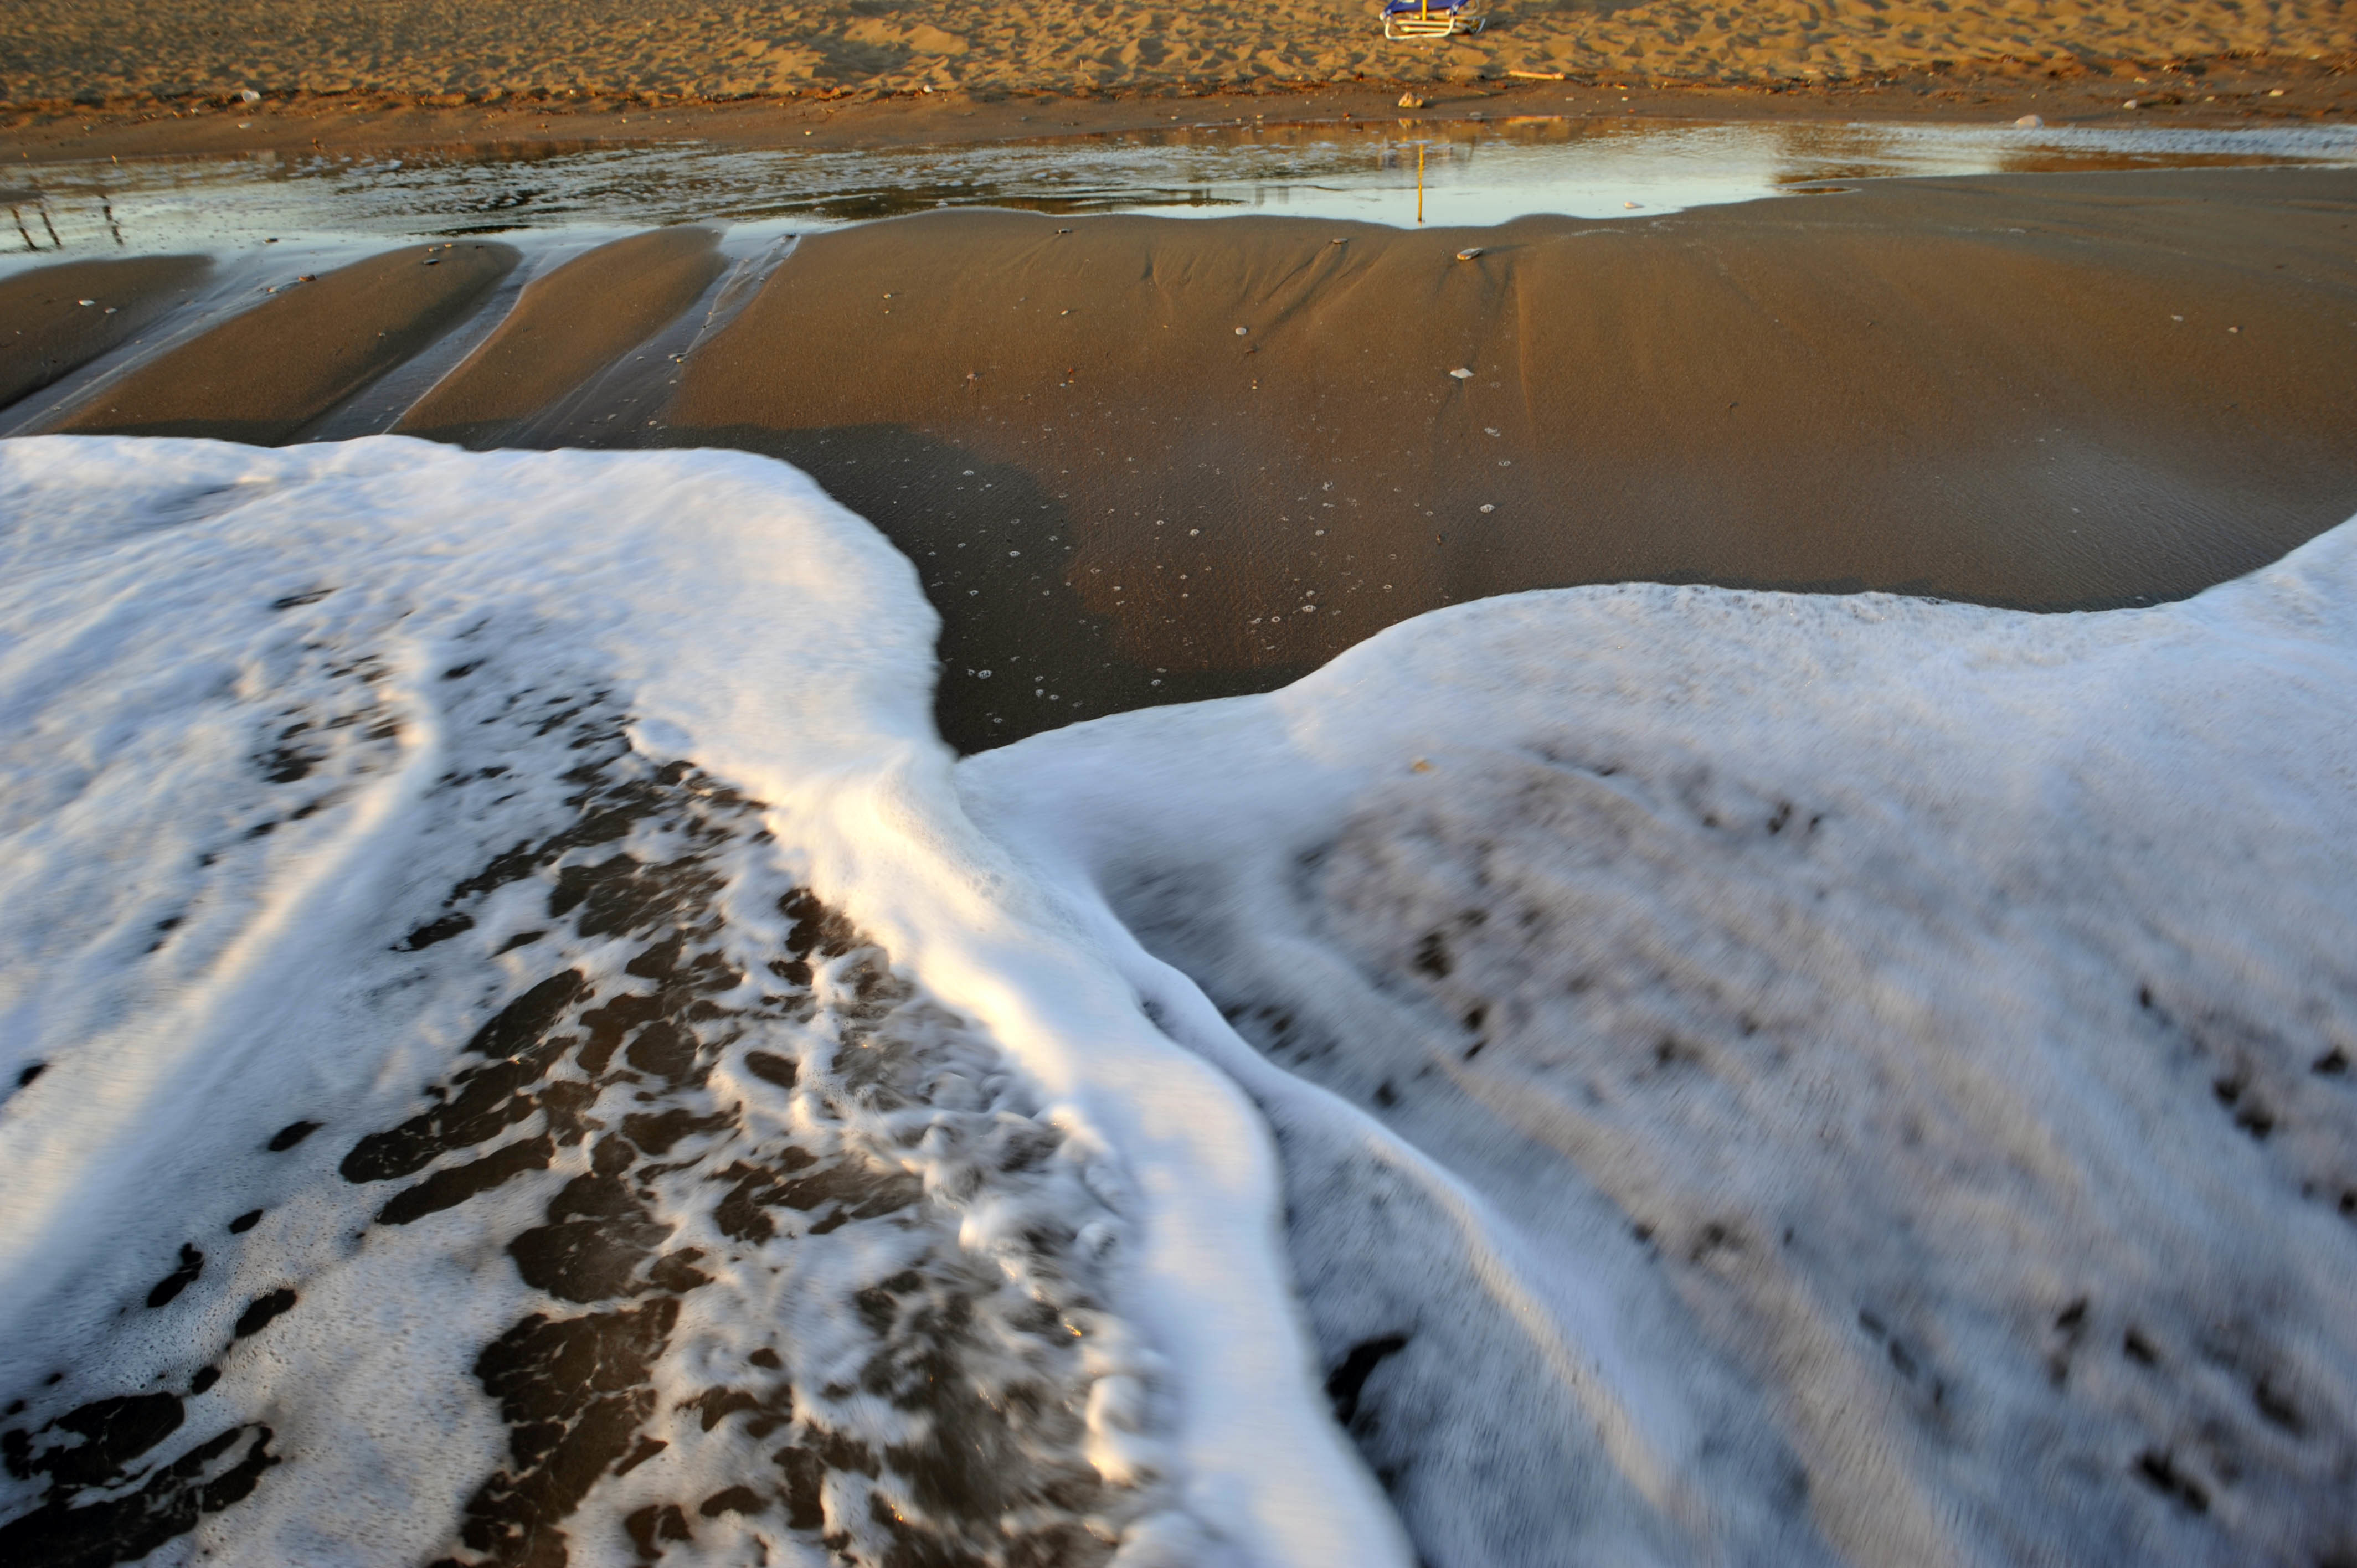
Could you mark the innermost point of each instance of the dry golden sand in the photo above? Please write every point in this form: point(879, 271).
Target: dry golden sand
point(53, 51)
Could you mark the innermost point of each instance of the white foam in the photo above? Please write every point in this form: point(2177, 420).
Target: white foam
point(1759, 1078)
point(1908, 971)
point(745, 621)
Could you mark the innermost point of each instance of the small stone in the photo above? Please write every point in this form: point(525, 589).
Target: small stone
point(2030, 123)
point(89, 302)
point(1241, 331)
point(249, 95)
point(1633, 205)
point(2129, 104)
point(1487, 507)
point(1410, 101)
point(1462, 375)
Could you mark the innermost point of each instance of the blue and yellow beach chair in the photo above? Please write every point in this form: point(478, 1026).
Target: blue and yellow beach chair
point(1430, 18)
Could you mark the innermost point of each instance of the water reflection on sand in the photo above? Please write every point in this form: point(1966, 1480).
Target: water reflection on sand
point(1469, 173)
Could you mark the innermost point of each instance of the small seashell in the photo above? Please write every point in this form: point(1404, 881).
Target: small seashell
point(1241, 331)
point(1462, 374)
point(2030, 123)
point(1469, 253)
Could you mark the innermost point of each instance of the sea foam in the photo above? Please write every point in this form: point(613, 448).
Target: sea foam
point(519, 1055)
point(529, 1050)
point(1783, 1079)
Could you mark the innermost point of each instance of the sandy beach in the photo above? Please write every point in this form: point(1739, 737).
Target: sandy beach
point(1751, 967)
point(110, 48)
point(1148, 458)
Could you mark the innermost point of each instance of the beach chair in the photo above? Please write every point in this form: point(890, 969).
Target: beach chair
point(1430, 18)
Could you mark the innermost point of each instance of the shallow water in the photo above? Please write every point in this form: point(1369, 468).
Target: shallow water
point(1469, 173)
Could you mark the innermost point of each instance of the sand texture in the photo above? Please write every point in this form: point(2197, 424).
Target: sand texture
point(2046, 392)
point(2051, 392)
point(55, 319)
point(54, 49)
point(266, 373)
point(566, 327)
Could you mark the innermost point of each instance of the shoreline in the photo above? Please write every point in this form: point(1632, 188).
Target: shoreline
point(1152, 459)
point(2221, 93)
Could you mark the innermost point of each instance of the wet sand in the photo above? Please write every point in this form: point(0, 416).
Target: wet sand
point(56, 320)
point(566, 327)
point(1974, 389)
point(269, 371)
point(2217, 91)
point(2048, 393)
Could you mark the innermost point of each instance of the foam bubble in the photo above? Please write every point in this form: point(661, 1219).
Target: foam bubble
point(1787, 1079)
point(531, 1060)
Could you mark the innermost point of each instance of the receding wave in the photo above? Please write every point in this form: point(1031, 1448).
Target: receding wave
point(524, 1047)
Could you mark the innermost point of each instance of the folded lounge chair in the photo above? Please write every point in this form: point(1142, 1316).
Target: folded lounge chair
point(1430, 18)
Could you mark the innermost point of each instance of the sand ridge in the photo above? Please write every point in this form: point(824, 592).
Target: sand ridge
point(566, 327)
point(270, 370)
point(88, 51)
point(2046, 391)
point(55, 318)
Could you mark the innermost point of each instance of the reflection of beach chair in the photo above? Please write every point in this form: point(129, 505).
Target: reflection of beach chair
point(1430, 18)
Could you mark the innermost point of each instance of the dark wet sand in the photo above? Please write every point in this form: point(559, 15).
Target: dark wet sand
point(2048, 393)
point(264, 374)
point(2239, 91)
point(47, 331)
point(1974, 389)
point(565, 326)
